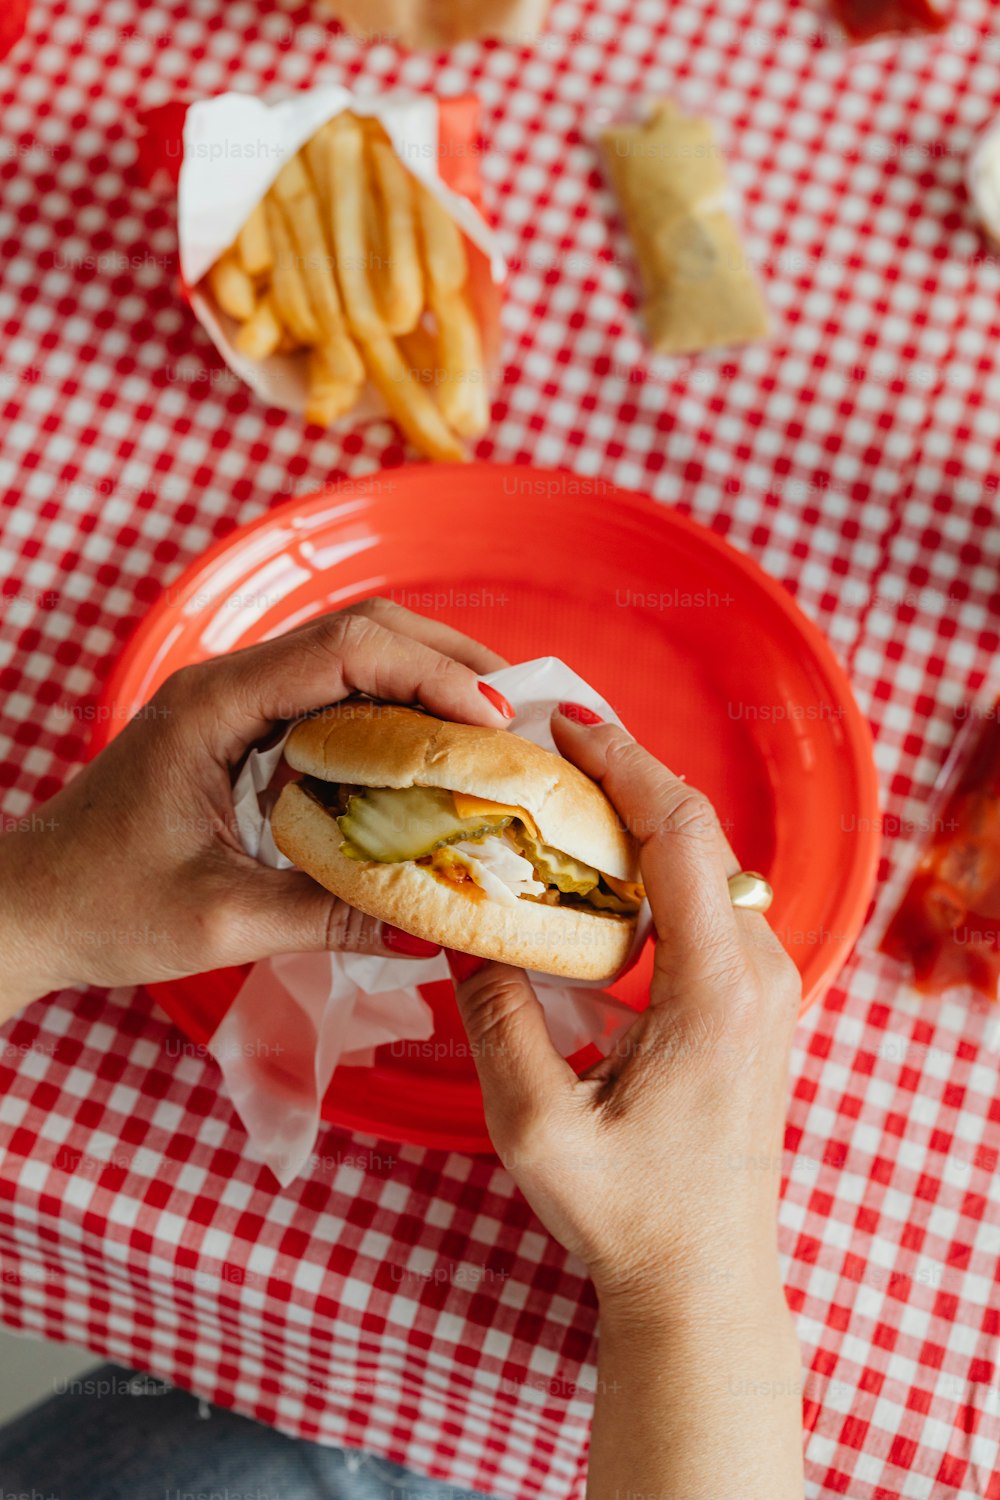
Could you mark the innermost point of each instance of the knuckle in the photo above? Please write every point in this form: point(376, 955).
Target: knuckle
point(775, 964)
point(376, 607)
point(494, 1001)
point(784, 978)
point(180, 687)
point(625, 756)
point(342, 634)
point(349, 929)
point(445, 669)
point(441, 665)
point(680, 808)
point(525, 1134)
point(688, 811)
point(732, 975)
point(220, 921)
point(181, 701)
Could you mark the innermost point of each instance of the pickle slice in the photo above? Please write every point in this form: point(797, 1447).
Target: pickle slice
point(567, 874)
point(608, 901)
point(390, 824)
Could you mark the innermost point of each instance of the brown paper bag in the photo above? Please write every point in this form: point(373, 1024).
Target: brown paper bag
point(440, 23)
point(670, 177)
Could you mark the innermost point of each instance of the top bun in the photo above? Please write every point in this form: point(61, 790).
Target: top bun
point(374, 744)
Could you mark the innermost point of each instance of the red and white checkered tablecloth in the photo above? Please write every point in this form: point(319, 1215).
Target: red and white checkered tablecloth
point(405, 1301)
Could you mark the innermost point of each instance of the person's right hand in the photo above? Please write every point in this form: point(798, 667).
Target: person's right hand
point(660, 1166)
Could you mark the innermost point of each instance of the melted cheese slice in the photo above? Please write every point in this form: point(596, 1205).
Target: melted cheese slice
point(469, 806)
point(627, 890)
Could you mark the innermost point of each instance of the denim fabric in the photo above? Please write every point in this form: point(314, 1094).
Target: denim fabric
point(113, 1435)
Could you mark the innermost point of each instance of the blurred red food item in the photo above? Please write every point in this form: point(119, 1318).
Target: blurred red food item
point(161, 140)
point(866, 18)
point(947, 927)
point(13, 16)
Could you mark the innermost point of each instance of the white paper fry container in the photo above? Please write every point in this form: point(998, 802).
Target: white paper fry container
point(298, 1016)
point(235, 145)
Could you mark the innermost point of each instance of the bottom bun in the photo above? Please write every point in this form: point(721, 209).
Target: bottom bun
point(552, 939)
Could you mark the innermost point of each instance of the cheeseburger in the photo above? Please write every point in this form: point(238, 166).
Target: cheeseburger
point(473, 838)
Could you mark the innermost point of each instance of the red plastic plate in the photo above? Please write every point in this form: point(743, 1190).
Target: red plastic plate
point(708, 661)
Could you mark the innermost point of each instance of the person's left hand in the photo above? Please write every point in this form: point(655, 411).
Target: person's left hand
point(135, 872)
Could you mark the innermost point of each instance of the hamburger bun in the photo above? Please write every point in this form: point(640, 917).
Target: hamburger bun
point(360, 743)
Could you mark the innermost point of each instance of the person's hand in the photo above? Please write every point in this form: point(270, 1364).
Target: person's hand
point(660, 1166)
point(135, 872)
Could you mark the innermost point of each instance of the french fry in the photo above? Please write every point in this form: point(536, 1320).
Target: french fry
point(317, 159)
point(442, 242)
point(401, 287)
point(375, 245)
point(372, 129)
point(419, 349)
point(292, 181)
point(329, 396)
point(287, 285)
point(232, 288)
point(408, 401)
point(347, 183)
point(253, 243)
point(459, 374)
point(326, 405)
point(262, 333)
point(295, 191)
point(344, 358)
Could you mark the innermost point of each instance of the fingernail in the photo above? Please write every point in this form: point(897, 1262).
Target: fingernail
point(498, 700)
point(579, 714)
point(463, 965)
point(405, 944)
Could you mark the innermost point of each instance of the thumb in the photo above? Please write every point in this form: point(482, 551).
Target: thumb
point(521, 1073)
point(293, 914)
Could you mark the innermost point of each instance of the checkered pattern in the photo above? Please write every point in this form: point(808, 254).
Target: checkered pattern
point(399, 1300)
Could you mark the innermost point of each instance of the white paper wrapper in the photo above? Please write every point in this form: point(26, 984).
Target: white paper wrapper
point(234, 147)
point(298, 1016)
point(982, 175)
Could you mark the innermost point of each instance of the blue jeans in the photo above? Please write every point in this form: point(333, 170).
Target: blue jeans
point(118, 1436)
